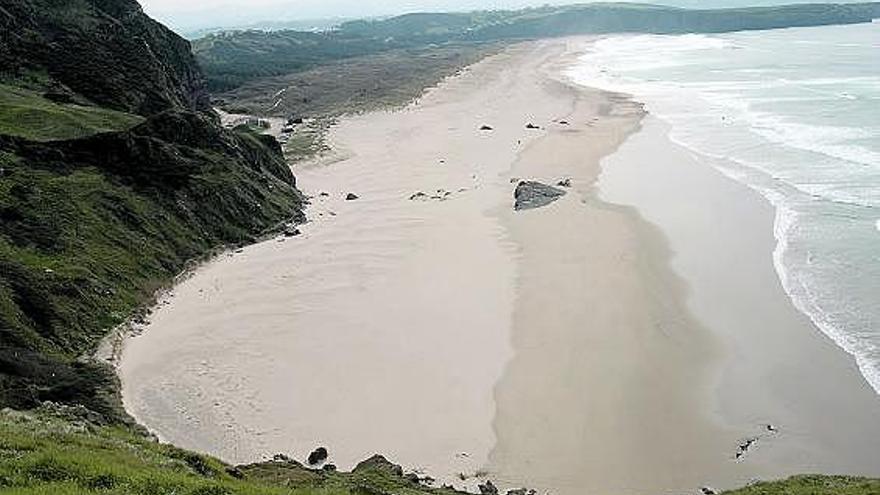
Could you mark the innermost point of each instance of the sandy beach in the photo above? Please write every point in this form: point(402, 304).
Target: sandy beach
point(626, 339)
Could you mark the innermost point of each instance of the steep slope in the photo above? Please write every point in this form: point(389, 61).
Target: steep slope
point(107, 52)
point(114, 172)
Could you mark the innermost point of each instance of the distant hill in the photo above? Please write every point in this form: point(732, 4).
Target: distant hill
point(232, 58)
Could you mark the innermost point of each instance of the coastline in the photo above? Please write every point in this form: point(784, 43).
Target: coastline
point(555, 348)
point(778, 368)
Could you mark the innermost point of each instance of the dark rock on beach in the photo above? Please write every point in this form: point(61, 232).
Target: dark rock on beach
point(486, 128)
point(292, 232)
point(532, 126)
point(564, 183)
point(531, 194)
point(318, 456)
point(351, 197)
point(488, 488)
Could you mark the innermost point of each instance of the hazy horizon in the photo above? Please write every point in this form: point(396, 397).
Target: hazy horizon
point(204, 14)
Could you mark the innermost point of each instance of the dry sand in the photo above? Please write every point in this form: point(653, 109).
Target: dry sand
point(555, 348)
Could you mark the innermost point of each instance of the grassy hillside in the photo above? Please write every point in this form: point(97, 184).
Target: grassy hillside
point(114, 173)
point(235, 58)
point(29, 115)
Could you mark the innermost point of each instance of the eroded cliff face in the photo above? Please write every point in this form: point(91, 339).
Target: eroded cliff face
point(107, 52)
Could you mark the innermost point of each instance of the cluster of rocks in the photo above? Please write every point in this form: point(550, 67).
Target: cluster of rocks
point(348, 197)
point(439, 195)
point(743, 448)
point(530, 126)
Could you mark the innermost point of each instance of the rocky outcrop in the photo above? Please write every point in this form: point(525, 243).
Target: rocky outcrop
point(532, 194)
point(106, 52)
point(379, 463)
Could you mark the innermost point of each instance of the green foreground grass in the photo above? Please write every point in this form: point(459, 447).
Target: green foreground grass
point(58, 450)
point(814, 485)
point(27, 114)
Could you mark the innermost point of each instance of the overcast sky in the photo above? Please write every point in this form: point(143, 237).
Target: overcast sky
point(186, 15)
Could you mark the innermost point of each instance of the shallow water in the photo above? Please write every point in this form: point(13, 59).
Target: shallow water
point(794, 114)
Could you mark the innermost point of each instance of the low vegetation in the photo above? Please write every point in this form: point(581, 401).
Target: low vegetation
point(59, 451)
point(352, 86)
point(30, 115)
point(813, 485)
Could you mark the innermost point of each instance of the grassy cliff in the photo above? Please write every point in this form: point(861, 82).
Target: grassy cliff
point(114, 173)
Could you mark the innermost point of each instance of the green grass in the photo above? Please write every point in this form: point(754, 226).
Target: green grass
point(56, 451)
point(814, 485)
point(308, 140)
point(27, 114)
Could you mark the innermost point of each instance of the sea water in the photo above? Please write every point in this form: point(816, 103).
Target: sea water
point(795, 114)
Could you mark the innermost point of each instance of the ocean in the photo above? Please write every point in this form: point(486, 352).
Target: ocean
point(794, 114)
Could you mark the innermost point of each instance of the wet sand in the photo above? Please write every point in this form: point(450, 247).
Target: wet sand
point(560, 348)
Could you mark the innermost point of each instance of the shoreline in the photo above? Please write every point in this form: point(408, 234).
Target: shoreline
point(455, 321)
point(779, 370)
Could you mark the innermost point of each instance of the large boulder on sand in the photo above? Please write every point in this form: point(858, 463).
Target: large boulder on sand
point(318, 456)
point(531, 194)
